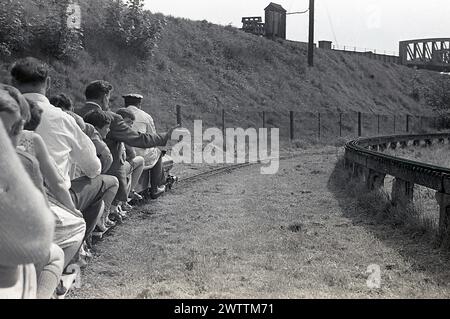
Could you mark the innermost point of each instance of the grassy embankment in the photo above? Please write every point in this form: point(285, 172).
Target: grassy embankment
point(207, 68)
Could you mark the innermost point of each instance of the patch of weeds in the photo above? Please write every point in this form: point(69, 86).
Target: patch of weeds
point(145, 294)
point(335, 280)
point(189, 266)
point(295, 228)
point(377, 205)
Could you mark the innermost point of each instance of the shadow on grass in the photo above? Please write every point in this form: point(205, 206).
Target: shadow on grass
point(400, 228)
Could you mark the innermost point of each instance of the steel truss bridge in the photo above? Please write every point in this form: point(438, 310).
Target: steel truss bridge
point(433, 54)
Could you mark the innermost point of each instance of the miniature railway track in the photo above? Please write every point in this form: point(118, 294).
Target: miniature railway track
point(363, 156)
point(366, 153)
point(232, 167)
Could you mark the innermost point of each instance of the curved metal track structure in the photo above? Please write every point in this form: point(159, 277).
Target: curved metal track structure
point(365, 159)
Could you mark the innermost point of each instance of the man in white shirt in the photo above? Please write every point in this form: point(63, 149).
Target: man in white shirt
point(153, 156)
point(66, 142)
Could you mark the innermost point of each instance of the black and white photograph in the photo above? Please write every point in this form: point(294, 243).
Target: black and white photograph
point(201, 151)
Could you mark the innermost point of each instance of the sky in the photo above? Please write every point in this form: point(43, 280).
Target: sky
point(365, 24)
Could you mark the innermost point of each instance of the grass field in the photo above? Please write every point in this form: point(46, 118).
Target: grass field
point(437, 154)
point(298, 234)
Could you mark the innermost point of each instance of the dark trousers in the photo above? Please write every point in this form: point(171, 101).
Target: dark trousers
point(157, 175)
point(87, 195)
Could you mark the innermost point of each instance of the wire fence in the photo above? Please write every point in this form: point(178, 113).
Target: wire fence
point(321, 126)
point(352, 48)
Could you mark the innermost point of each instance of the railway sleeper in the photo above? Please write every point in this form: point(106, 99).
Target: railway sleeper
point(428, 142)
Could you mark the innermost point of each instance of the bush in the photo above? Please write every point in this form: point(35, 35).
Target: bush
point(12, 27)
point(45, 28)
point(45, 31)
point(131, 28)
point(50, 33)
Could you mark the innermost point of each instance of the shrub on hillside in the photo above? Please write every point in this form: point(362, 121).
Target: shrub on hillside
point(43, 28)
point(43, 31)
point(50, 33)
point(12, 27)
point(130, 27)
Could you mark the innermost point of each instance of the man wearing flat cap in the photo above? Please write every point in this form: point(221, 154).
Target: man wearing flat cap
point(153, 156)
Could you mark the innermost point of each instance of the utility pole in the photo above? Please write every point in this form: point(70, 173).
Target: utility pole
point(311, 34)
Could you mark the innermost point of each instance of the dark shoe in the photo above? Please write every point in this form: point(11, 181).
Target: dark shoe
point(116, 218)
point(126, 207)
point(60, 290)
point(171, 181)
point(156, 194)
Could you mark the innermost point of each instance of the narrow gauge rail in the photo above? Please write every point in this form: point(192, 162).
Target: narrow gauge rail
point(233, 167)
point(364, 158)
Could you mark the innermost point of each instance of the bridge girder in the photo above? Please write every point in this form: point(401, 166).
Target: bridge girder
point(426, 53)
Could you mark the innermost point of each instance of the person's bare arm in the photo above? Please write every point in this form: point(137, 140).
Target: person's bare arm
point(26, 222)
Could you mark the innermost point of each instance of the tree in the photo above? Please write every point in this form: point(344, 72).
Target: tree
point(131, 27)
point(51, 34)
point(12, 27)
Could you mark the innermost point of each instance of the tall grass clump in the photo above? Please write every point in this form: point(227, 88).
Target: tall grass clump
point(378, 206)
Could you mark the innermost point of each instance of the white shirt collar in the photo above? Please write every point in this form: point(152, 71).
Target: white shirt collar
point(37, 97)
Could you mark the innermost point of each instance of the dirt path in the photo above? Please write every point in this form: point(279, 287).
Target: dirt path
point(245, 235)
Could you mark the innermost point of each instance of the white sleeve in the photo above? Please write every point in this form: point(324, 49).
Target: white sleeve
point(83, 151)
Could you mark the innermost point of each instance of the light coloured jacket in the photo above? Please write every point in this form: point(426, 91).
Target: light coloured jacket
point(65, 140)
point(144, 124)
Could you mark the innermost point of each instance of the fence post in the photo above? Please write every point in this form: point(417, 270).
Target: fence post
point(395, 124)
point(340, 124)
point(359, 124)
point(224, 129)
point(179, 119)
point(378, 124)
point(292, 127)
point(320, 127)
point(407, 123)
point(263, 119)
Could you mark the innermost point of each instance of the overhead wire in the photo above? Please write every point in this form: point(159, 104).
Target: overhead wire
point(298, 12)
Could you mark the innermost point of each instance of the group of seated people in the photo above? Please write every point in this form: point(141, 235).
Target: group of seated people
point(65, 173)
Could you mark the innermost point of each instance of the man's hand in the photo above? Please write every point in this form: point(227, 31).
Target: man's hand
point(170, 132)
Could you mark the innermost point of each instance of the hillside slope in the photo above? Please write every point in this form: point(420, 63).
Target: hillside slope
point(206, 67)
